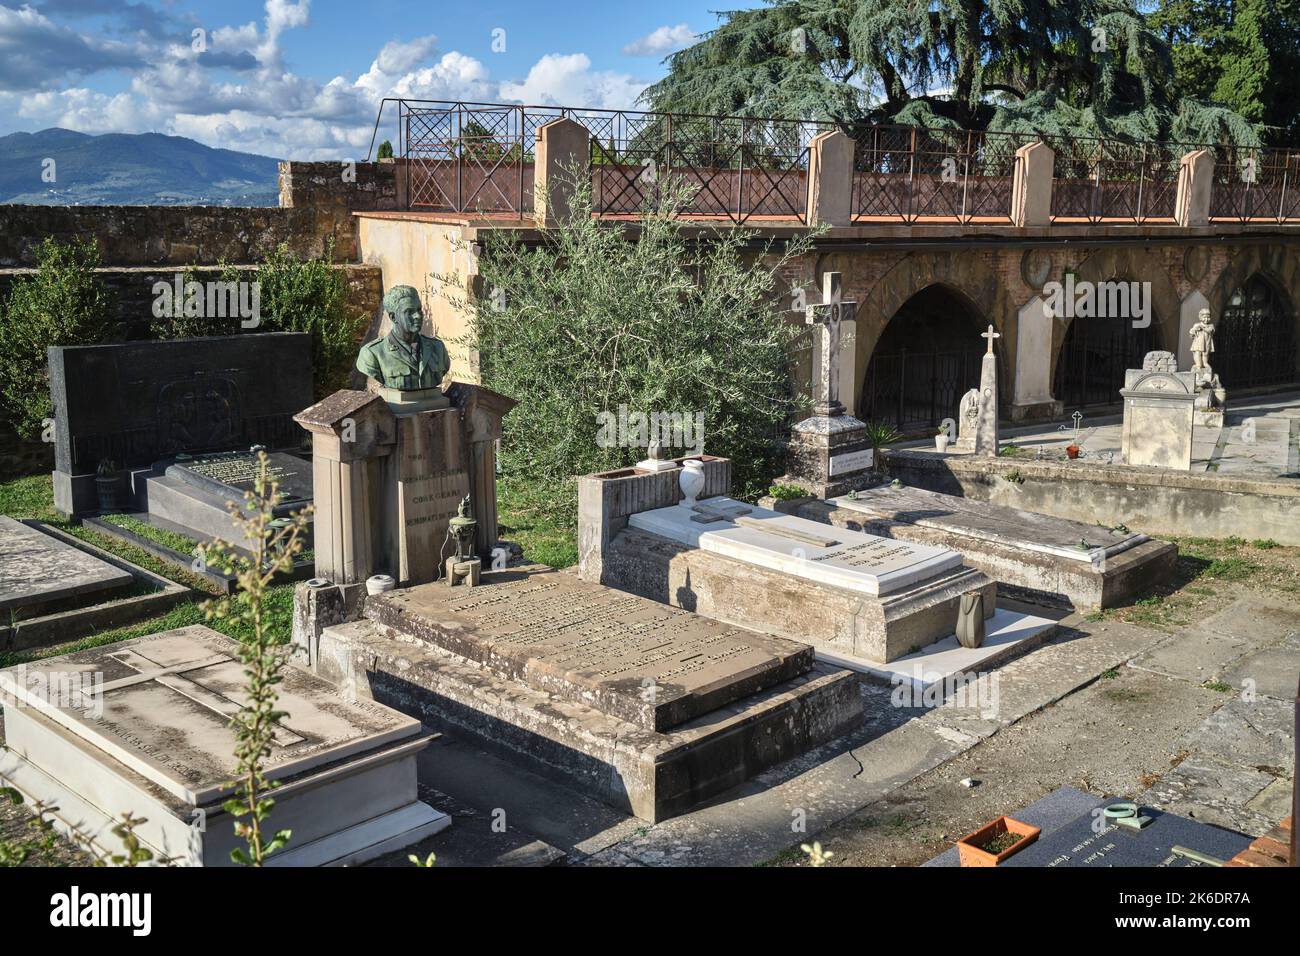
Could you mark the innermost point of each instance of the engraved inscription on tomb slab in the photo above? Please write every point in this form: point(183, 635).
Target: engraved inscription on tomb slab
point(639, 660)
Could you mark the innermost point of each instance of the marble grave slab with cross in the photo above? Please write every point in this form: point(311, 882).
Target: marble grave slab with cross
point(161, 705)
point(800, 547)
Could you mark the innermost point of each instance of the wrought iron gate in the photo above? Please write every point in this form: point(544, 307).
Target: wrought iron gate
point(1094, 356)
point(916, 390)
point(1255, 344)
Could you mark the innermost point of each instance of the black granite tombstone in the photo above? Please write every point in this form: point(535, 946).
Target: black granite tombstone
point(139, 403)
point(1093, 841)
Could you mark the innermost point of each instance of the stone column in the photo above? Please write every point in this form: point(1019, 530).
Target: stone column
point(482, 413)
point(1031, 185)
point(563, 145)
point(830, 179)
point(352, 435)
point(1195, 180)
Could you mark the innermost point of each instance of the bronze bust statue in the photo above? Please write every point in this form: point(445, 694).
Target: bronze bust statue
point(404, 359)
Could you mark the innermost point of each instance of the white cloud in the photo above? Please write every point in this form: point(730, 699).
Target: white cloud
point(568, 80)
point(240, 95)
point(661, 41)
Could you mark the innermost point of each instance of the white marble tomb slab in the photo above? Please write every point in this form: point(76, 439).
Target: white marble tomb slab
point(1060, 537)
point(161, 705)
point(799, 547)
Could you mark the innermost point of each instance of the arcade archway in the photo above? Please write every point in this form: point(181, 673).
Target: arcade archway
point(1095, 354)
point(927, 357)
point(1255, 342)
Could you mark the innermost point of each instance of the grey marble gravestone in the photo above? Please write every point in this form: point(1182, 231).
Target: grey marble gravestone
point(40, 573)
point(192, 494)
point(645, 707)
point(144, 726)
point(138, 403)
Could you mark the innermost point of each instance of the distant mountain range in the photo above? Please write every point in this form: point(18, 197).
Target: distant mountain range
point(140, 169)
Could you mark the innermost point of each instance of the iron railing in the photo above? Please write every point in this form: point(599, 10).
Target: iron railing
point(477, 158)
point(1110, 180)
point(912, 174)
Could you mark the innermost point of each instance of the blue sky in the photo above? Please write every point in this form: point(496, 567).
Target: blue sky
point(303, 78)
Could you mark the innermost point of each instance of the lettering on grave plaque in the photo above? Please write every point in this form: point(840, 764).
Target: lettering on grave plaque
point(603, 647)
point(432, 478)
point(868, 554)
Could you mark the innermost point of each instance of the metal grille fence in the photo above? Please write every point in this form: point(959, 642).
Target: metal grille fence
point(910, 173)
point(478, 158)
point(1108, 180)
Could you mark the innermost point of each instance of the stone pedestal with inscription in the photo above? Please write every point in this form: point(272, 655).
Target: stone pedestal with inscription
point(646, 707)
point(1159, 416)
point(388, 479)
point(144, 727)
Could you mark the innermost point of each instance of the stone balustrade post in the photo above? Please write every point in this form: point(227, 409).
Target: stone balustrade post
point(1195, 182)
point(1031, 185)
point(563, 147)
point(830, 179)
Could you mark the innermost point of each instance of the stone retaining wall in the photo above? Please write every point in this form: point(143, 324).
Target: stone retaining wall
point(316, 205)
point(1151, 500)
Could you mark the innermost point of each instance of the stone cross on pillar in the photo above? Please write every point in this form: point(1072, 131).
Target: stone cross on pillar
point(828, 314)
point(990, 335)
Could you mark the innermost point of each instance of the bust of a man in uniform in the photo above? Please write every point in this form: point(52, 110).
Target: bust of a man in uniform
point(404, 359)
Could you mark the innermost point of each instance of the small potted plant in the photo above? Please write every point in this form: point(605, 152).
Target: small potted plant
point(106, 482)
point(1072, 450)
point(994, 842)
point(879, 435)
point(941, 438)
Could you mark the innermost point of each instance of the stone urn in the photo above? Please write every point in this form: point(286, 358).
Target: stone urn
point(691, 481)
point(970, 620)
point(941, 441)
point(106, 484)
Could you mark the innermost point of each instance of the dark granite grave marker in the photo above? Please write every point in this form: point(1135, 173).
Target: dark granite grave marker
point(1084, 843)
point(233, 473)
point(136, 403)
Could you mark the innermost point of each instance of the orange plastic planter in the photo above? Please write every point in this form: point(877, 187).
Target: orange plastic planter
point(969, 847)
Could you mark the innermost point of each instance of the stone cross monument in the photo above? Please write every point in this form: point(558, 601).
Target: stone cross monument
point(986, 429)
point(827, 316)
point(830, 453)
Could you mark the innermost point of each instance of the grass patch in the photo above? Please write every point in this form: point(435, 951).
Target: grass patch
point(1230, 569)
point(542, 516)
point(1123, 695)
point(168, 539)
point(786, 492)
point(1110, 674)
point(1265, 544)
point(1218, 685)
point(791, 854)
point(30, 497)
